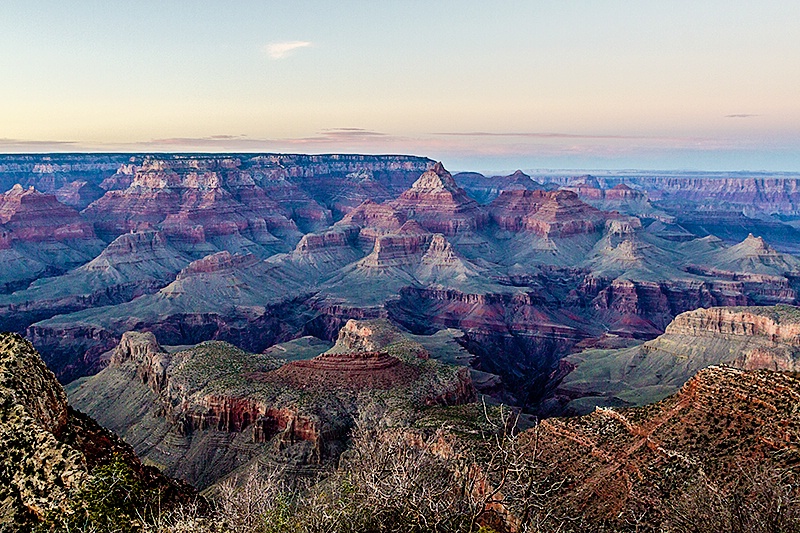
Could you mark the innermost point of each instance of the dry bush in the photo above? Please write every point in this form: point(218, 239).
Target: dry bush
point(761, 499)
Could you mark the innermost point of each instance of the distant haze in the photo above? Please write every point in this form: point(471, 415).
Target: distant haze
point(506, 84)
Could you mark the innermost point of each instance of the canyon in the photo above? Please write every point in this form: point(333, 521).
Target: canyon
point(260, 249)
point(211, 314)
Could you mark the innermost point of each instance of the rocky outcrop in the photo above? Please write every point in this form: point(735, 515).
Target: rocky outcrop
point(779, 324)
point(746, 337)
point(659, 302)
point(49, 451)
point(146, 355)
point(440, 205)
point(722, 421)
point(31, 216)
point(216, 400)
point(545, 213)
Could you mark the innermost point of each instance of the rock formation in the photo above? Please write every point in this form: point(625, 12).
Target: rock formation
point(49, 451)
point(750, 338)
point(545, 213)
point(440, 205)
point(32, 217)
point(133, 265)
point(722, 424)
point(174, 406)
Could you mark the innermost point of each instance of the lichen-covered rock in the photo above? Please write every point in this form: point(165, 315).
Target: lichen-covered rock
point(48, 452)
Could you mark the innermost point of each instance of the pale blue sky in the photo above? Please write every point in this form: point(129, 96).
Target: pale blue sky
point(483, 85)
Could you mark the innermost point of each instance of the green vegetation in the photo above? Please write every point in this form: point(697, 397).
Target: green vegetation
point(112, 500)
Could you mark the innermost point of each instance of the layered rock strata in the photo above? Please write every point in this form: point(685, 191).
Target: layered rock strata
point(175, 408)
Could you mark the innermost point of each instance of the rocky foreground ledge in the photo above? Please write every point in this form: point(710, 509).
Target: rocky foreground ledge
point(51, 454)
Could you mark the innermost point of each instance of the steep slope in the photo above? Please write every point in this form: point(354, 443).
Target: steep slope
point(133, 265)
point(238, 298)
point(615, 468)
point(753, 256)
point(49, 452)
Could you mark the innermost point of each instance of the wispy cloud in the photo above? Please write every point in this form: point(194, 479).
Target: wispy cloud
point(282, 49)
point(536, 135)
point(20, 145)
point(351, 132)
point(345, 137)
point(742, 115)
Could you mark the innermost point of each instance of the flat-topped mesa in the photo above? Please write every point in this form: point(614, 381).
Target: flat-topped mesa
point(217, 263)
point(31, 216)
point(779, 323)
point(546, 213)
point(347, 371)
point(440, 205)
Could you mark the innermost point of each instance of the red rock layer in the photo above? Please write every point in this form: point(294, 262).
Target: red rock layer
point(440, 205)
point(31, 216)
point(545, 213)
point(350, 371)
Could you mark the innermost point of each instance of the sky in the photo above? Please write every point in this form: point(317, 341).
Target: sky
point(480, 85)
